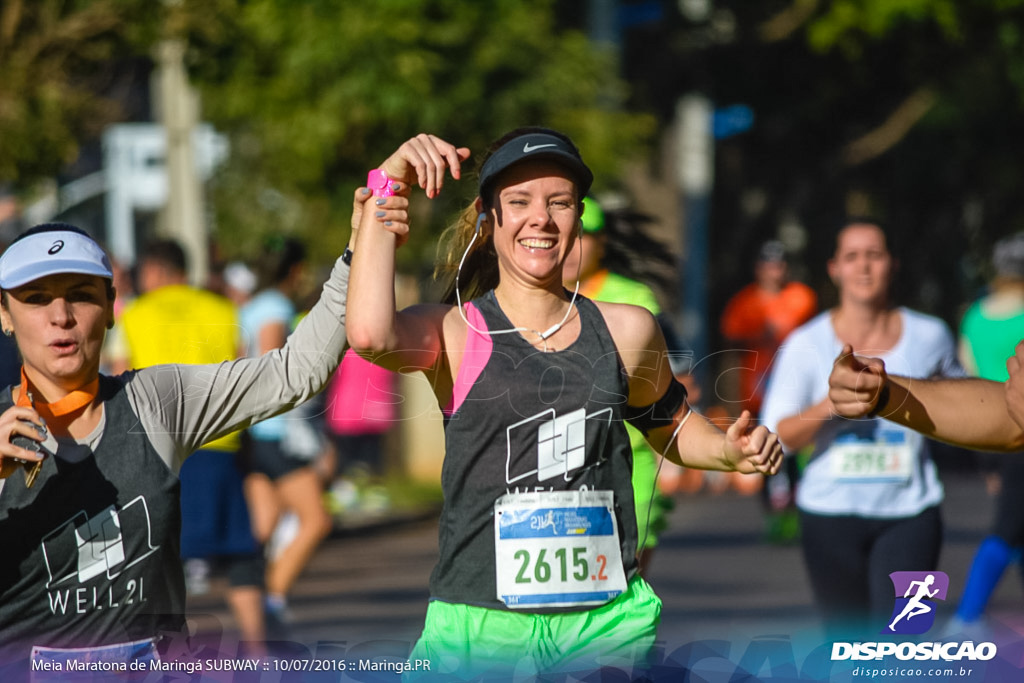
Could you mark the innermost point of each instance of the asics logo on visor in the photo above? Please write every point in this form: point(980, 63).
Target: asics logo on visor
point(57, 246)
point(527, 148)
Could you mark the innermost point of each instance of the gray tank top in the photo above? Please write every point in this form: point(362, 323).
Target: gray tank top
point(507, 397)
point(91, 551)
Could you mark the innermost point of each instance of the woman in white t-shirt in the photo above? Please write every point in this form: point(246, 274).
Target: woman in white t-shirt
point(869, 498)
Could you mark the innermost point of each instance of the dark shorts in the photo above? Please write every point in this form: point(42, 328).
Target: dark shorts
point(241, 570)
point(214, 516)
point(268, 458)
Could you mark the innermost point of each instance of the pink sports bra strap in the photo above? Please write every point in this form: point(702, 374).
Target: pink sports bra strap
point(475, 355)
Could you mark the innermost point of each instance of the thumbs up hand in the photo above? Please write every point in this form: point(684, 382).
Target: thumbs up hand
point(751, 448)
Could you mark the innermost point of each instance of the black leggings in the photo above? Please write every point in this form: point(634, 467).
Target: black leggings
point(1009, 522)
point(849, 560)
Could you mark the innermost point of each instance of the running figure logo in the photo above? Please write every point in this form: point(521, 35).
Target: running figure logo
point(914, 609)
point(545, 522)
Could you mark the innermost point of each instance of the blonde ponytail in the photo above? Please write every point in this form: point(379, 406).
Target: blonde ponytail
point(480, 269)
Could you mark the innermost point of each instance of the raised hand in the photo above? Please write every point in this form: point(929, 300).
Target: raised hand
point(423, 160)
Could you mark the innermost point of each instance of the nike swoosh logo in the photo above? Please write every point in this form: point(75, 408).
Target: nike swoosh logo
point(527, 148)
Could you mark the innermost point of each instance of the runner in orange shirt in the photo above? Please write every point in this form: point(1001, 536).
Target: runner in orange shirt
point(755, 322)
point(760, 316)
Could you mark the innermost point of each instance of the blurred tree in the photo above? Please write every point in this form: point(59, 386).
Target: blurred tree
point(59, 69)
point(315, 93)
point(909, 109)
point(312, 94)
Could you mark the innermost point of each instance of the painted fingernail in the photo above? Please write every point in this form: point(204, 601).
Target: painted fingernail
point(387, 223)
point(396, 187)
point(380, 214)
point(380, 202)
point(366, 190)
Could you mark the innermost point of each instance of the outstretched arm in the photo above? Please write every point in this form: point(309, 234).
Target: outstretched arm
point(744, 447)
point(182, 406)
point(376, 329)
point(688, 438)
point(969, 412)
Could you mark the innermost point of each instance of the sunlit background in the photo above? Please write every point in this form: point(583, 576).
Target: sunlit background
point(226, 123)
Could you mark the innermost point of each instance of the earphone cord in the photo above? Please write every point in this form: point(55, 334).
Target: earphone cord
point(657, 474)
point(458, 298)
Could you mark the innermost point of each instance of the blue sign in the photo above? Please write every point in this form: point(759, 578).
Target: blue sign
point(733, 120)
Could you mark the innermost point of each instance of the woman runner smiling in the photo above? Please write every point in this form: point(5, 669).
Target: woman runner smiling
point(538, 534)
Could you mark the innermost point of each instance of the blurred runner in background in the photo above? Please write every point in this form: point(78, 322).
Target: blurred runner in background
point(990, 330)
point(278, 480)
point(870, 497)
point(754, 323)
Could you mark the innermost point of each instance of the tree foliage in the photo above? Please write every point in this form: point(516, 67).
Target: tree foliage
point(59, 77)
point(910, 110)
point(312, 93)
point(315, 93)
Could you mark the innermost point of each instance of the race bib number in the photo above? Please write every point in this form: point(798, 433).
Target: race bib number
point(557, 549)
point(889, 458)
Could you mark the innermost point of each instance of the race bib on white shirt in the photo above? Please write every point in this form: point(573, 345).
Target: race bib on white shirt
point(557, 549)
point(886, 458)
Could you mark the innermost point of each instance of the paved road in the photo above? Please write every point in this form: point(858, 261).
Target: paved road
point(717, 577)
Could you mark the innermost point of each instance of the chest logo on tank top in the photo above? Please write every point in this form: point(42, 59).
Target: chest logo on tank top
point(86, 548)
point(561, 443)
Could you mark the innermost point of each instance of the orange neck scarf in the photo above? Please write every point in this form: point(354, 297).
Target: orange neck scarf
point(63, 411)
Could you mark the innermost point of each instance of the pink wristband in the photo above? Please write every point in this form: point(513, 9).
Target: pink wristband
point(379, 183)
